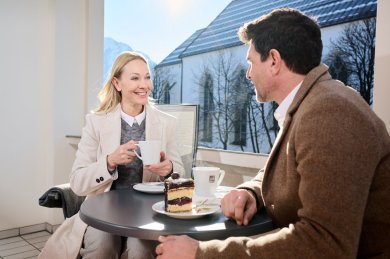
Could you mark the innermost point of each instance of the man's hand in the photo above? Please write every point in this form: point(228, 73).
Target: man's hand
point(240, 205)
point(176, 247)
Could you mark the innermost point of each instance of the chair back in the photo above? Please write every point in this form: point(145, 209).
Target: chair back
point(186, 132)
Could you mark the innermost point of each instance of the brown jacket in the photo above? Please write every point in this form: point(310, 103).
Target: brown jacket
point(326, 183)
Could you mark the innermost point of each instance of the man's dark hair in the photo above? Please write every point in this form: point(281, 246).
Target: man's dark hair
point(296, 36)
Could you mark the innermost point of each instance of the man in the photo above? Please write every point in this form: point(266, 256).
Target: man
point(326, 184)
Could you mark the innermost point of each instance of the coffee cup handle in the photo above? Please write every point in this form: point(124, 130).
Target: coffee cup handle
point(221, 176)
point(135, 152)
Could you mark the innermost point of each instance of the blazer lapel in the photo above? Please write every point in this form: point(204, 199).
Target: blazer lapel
point(110, 134)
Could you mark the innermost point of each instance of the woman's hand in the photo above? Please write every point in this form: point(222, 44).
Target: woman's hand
point(163, 168)
point(123, 155)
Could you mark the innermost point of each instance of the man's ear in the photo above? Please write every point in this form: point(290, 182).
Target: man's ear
point(276, 61)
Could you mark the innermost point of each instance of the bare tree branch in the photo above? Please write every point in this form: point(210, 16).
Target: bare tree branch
point(355, 51)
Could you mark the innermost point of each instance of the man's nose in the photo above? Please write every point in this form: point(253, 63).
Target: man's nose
point(247, 74)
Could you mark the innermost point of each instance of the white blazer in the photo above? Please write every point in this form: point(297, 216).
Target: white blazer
point(100, 137)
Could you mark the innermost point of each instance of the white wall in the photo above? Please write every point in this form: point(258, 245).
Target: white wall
point(49, 52)
point(193, 66)
point(173, 74)
point(175, 71)
point(382, 63)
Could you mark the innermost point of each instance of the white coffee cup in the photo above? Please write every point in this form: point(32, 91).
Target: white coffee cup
point(207, 180)
point(150, 151)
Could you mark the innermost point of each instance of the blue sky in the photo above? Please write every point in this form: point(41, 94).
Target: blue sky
point(157, 27)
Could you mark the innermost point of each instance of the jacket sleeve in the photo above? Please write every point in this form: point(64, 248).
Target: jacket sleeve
point(254, 186)
point(89, 171)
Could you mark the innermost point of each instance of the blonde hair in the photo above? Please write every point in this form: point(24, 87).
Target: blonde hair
point(109, 97)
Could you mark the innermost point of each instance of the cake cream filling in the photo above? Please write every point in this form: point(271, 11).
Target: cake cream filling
point(179, 193)
point(177, 208)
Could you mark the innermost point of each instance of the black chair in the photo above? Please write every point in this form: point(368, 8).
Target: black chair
point(62, 196)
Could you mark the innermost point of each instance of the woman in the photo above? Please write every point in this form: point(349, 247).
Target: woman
point(105, 158)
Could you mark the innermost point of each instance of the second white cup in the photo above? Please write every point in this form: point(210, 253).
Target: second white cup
point(207, 180)
point(150, 151)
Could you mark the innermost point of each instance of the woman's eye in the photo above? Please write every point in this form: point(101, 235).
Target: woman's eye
point(148, 77)
point(134, 78)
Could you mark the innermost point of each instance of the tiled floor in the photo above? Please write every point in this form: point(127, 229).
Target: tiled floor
point(24, 246)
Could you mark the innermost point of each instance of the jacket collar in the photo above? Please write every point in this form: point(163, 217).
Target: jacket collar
point(319, 73)
point(111, 131)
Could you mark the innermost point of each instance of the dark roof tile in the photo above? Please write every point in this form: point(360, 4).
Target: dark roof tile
point(174, 57)
point(222, 31)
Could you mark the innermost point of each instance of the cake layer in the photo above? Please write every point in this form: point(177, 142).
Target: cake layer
point(180, 201)
point(180, 183)
point(179, 193)
point(176, 208)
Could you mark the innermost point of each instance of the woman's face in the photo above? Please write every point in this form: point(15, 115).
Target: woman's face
point(134, 83)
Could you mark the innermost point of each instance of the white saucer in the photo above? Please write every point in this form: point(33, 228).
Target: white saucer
point(150, 187)
point(159, 207)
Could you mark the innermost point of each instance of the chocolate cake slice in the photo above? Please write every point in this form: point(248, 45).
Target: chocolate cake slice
point(178, 194)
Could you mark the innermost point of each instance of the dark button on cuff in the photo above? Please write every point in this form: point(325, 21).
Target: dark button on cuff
point(101, 178)
point(97, 180)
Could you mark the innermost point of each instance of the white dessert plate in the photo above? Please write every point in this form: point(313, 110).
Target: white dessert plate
point(159, 207)
point(150, 187)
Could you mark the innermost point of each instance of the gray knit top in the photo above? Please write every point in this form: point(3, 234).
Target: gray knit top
point(131, 173)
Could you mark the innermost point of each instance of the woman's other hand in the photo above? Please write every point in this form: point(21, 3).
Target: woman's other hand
point(164, 168)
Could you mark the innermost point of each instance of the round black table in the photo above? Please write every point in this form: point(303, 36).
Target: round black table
point(129, 213)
